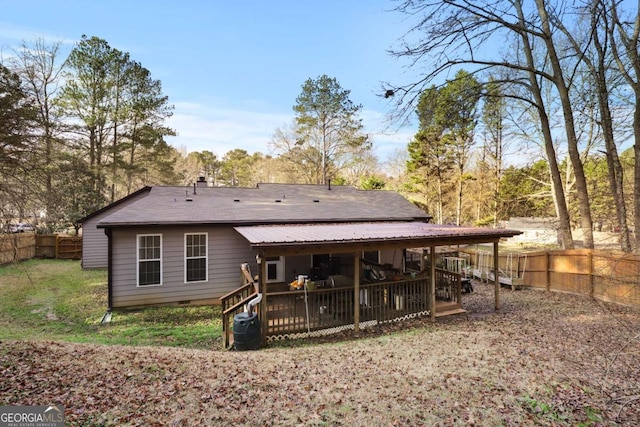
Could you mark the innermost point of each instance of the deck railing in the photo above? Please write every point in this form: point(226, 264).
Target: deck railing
point(448, 286)
point(300, 311)
point(325, 308)
point(234, 303)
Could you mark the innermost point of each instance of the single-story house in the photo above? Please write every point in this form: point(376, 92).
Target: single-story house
point(534, 230)
point(94, 240)
point(185, 245)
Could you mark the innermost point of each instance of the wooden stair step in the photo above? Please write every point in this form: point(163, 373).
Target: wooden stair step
point(450, 312)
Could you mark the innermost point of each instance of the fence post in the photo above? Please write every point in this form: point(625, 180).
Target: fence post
point(496, 274)
point(590, 272)
point(547, 273)
point(16, 249)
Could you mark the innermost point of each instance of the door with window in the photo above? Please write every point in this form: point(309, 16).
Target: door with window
point(275, 269)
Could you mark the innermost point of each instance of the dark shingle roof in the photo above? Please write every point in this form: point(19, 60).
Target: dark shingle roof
point(141, 191)
point(265, 204)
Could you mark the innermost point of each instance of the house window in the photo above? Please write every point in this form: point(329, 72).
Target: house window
point(325, 265)
point(412, 260)
point(371, 256)
point(195, 257)
point(275, 269)
point(149, 259)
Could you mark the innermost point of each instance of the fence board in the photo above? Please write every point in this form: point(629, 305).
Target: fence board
point(17, 247)
point(23, 246)
point(46, 246)
point(605, 275)
point(68, 247)
point(616, 278)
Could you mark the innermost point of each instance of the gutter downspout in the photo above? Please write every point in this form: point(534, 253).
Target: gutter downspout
point(107, 316)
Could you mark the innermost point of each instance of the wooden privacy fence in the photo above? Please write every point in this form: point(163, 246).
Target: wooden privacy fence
point(58, 246)
point(23, 246)
point(17, 247)
point(605, 275)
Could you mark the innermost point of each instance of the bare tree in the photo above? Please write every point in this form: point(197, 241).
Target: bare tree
point(493, 117)
point(562, 81)
point(597, 61)
point(301, 164)
point(538, 101)
point(626, 34)
point(39, 66)
point(452, 33)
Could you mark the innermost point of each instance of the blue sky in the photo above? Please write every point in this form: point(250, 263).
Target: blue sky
point(234, 69)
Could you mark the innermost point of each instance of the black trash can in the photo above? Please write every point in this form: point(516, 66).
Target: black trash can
point(246, 331)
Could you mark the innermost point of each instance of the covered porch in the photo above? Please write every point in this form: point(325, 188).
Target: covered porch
point(356, 293)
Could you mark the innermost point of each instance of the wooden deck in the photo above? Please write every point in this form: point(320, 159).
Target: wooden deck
point(292, 312)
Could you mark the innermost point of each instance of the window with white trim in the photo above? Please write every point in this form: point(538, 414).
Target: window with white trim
point(149, 251)
point(195, 257)
point(275, 269)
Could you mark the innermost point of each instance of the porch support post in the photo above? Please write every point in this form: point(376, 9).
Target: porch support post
point(496, 274)
point(262, 282)
point(356, 292)
point(432, 279)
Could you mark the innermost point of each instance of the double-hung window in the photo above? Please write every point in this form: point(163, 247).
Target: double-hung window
point(195, 257)
point(149, 259)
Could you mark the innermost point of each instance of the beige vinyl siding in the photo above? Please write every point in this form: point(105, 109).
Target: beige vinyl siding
point(95, 242)
point(227, 250)
point(94, 245)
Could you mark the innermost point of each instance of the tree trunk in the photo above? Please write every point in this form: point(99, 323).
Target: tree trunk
point(629, 65)
point(459, 203)
point(616, 174)
point(440, 202)
point(564, 226)
point(636, 178)
point(572, 141)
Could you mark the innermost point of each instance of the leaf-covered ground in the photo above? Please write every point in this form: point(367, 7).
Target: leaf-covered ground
point(543, 359)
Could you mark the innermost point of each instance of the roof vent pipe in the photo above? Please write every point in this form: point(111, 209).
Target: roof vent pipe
point(329, 182)
point(194, 188)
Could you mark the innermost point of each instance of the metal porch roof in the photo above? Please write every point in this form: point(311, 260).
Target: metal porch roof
point(418, 233)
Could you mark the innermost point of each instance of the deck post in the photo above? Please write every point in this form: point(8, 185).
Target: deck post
point(356, 292)
point(496, 274)
point(432, 280)
point(262, 280)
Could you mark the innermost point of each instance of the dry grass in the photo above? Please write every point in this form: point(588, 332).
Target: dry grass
point(544, 359)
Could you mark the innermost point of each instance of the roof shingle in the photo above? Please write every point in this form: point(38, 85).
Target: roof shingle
point(265, 204)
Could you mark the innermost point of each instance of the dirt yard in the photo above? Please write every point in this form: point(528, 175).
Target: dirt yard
point(543, 359)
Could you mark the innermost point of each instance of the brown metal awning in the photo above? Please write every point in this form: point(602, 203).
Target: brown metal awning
point(348, 237)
